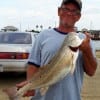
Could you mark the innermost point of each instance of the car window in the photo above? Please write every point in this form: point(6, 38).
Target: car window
point(15, 38)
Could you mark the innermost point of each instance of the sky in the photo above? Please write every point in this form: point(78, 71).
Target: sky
point(26, 14)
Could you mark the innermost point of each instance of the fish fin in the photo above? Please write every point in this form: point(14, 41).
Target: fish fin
point(11, 93)
point(43, 90)
point(72, 70)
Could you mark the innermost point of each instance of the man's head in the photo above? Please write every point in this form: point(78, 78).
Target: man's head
point(69, 13)
point(78, 3)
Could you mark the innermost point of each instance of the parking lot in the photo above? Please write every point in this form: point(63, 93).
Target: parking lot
point(91, 87)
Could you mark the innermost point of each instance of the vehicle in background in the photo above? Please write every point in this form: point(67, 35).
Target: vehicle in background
point(15, 48)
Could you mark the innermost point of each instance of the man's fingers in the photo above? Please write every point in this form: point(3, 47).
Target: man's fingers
point(19, 85)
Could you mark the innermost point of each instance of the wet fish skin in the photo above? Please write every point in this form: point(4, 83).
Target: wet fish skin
point(57, 68)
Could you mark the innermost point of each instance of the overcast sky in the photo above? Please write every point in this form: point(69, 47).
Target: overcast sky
point(26, 14)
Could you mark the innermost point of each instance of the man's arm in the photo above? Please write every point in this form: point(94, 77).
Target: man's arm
point(90, 63)
point(31, 70)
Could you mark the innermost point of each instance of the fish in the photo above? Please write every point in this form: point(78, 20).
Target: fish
point(62, 63)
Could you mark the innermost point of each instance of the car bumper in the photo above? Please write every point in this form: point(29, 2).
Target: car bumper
point(13, 66)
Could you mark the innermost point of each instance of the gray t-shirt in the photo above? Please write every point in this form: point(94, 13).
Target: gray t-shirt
point(46, 45)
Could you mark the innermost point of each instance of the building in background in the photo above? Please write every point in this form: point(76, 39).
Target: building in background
point(9, 28)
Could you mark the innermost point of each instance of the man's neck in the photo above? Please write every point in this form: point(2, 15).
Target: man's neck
point(66, 30)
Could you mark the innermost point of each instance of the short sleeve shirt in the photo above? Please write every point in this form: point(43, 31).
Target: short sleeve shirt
point(46, 45)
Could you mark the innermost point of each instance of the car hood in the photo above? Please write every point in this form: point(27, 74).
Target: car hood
point(15, 48)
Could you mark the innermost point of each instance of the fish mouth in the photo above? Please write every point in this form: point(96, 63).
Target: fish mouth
point(74, 40)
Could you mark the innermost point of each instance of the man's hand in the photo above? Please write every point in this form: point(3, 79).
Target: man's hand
point(86, 43)
point(29, 92)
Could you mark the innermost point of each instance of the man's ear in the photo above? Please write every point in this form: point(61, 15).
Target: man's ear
point(78, 17)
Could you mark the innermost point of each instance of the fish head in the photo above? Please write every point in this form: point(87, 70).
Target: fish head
point(73, 40)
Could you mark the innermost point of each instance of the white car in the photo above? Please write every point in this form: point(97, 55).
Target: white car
point(15, 48)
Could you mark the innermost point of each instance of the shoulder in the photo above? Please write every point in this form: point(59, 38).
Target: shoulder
point(45, 33)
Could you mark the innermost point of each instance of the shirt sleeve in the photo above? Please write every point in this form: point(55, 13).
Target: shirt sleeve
point(35, 54)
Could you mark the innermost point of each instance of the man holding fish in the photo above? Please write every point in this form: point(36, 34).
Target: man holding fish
point(48, 43)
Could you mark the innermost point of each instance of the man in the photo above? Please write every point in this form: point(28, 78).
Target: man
point(47, 44)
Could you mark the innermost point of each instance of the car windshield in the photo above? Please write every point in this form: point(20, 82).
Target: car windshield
point(15, 38)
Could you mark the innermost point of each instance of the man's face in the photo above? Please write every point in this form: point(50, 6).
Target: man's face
point(69, 14)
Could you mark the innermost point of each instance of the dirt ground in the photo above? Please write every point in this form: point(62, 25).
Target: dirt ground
point(91, 86)
point(90, 91)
